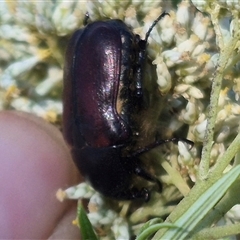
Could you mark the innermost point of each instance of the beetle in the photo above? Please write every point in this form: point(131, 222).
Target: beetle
point(102, 93)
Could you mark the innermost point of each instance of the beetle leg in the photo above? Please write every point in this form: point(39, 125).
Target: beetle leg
point(86, 18)
point(160, 142)
point(134, 193)
point(141, 172)
point(143, 193)
point(140, 60)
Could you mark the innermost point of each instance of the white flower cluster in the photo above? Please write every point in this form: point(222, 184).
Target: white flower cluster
point(100, 215)
point(32, 53)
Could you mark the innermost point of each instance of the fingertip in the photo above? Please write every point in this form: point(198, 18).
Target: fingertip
point(35, 163)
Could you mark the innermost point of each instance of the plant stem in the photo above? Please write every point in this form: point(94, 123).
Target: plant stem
point(226, 52)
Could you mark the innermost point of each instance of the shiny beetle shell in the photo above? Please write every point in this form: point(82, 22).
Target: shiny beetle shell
point(102, 91)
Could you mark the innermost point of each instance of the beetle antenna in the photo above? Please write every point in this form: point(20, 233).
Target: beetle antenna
point(154, 24)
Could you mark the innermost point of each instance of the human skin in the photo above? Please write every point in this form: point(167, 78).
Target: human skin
point(35, 163)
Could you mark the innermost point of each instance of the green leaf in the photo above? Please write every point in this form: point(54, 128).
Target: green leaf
point(193, 216)
point(151, 229)
point(86, 228)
